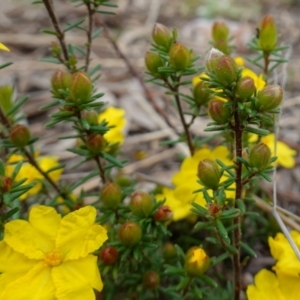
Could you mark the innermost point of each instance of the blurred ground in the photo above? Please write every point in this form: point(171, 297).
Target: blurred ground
point(21, 25)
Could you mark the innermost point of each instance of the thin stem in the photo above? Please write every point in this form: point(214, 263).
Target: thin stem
point(266, 64)
point(59, 33)
point(101, 168)
point(89, 35)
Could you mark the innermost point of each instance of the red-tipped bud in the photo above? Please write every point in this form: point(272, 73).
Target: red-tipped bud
point(267, 34)
point(201, 97)
point(141, 204)
point(5, 183)
point(259, 156)
point(226, 70)
point(60, 80)
point(218, 111)
point(151, 280)
point(163, 214)
point(169, 251)
point(20, 136)
point(180, 57)
point(161, 36)
point(95, 143)
point(197, 262)
point(212, 58)
point(111, 195)
point(245, 88)
point(81, 88)
point(109, 255)
point(90, 116)
point(269, 98)
point(153, 61)
point(209, 173)
point(130, 234)
point(220, 32)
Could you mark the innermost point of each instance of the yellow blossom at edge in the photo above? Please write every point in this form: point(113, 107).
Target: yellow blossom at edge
point(3, 47)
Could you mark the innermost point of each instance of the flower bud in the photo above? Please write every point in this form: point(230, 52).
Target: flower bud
point(111, 195)
point(226, 70)
point(169, 251)
point(153, 61)
point(218, 111)
point(209, 173)
point(161, 36)
point(90, 116)
point(220, 32)
point(151, 280)
point(20, 136)
point(223, 46)
point(269, 98)
point(6, 97)
point(197, 262)
point(141, 204)
point(95, 143)
point(5, 183)
point(245, 87)
point(259, 156)
point(180, 57)
point(267, 34)
point(55, 49)
point(212, 58)
point(201, 97)
point(163, 214)
point(60, 80)
point(109, 255)
point(130, 234)
point(81, 88)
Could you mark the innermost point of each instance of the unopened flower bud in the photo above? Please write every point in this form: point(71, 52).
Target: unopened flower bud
point(180, 57)
point(130, 234)
point(141, 204)
point(151, 280)
point(60, 80)
point(212, 58)
point(169, 251)
point(201, 97)
point(269, 98)
point(259, 156)
point(95, 143)
point(197, 262)
point(111, 195)
point(218, 111)
point(90, 116)
point(220, 32)
point(5, 183)
point(245, 87)
point(109, 255)
point(222, 46)
point(226, 70)
point(6, 97)
point(81, 88)
point(153, 61)
point(20, 135)
point(209, 173)
point(163, 214)
point(161, 36)
point(267, 34)
point(55, 48)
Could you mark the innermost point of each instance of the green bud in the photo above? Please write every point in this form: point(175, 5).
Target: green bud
point(197, 262)
point(169, 251)
point(153, 61)
point(95, 143)
point(269, 98)
point(109, 255)
point(141, 204)
point(81, 88)
point(161, 36)
point(60, 80)
point(245, 87)
point(6, 97)
point(151, 280)
point(5, 183)
point(90, 116)
point(226, 70)
point(267, 34)
point(20, 136)
point(209, 173)
point(212, 58)
point(220, 32)
point(180, 57)
point(111, 195)
point(201, 97)
point(163, 214)
point(130, 234)
point(259, 156)
point(218, 111)
point(223, 46)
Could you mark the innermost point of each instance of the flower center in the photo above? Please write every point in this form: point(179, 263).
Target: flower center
point(53, 259)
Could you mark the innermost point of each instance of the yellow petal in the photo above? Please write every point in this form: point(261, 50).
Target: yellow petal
point(76, 279)
point(46, 220)
point(37, 284)
point(46, 163)
point(289, 286)
point(239, 61)
point(79, 235)
point(3, 47)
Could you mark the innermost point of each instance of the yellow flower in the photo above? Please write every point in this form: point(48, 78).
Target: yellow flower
point(197, 261)
point(49, 257)
point(185, 181)
point(31, 173)
point(3, 47)
point(115, 117)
